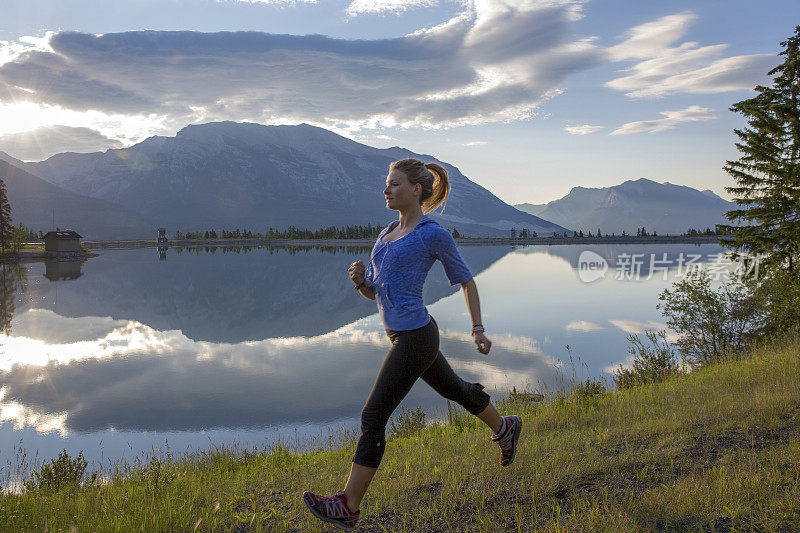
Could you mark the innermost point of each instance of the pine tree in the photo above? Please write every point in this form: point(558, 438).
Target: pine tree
point(7, 299)
point(768, 173)
point(5, 218)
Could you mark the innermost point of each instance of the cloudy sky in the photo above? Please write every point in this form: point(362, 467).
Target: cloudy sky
point(528, 98)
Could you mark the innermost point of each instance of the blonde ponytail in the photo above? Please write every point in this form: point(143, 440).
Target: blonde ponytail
point(433, 178)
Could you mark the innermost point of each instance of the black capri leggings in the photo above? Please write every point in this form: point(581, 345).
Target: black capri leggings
point(414, 353)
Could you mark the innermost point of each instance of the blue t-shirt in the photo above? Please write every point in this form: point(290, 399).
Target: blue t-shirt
point(397, 271)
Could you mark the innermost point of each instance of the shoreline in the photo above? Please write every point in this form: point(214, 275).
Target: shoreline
point(470, 241)
point(31, 257)
point(34, 256)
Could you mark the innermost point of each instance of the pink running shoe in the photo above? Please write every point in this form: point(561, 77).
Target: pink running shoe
point(508, 439)
point(332, 509)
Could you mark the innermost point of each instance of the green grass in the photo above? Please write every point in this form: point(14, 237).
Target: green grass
point(32, 248)
point(715, 450)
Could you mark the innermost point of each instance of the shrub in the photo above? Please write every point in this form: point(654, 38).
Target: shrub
point(712, 324)
point(59, 473)
point(458, 417)
point(406, 423)
point(588, 390)
point(651, 364)
point(523, 396)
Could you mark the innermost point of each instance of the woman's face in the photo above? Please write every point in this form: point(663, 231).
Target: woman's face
point(399, 193)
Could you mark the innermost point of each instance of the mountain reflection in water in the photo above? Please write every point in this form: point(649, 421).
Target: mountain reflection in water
point(237, 340)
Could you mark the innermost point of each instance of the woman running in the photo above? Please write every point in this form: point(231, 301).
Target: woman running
point(400, 260)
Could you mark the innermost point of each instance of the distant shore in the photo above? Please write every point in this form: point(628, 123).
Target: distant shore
point(32, 252)
point(32, 255)
point(473, 241)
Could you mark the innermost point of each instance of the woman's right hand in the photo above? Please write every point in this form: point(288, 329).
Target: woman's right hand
point(357, 272)
point(482, 342)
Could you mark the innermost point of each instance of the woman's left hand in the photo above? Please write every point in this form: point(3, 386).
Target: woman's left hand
point(483, 343)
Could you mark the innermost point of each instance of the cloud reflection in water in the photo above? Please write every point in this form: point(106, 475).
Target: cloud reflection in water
point(93, 373)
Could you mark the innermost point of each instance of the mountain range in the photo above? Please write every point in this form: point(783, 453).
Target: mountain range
point(228, 175)
point(42, 205)
point(660, 207)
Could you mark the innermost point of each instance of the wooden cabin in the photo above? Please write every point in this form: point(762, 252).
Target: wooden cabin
point(62, 241)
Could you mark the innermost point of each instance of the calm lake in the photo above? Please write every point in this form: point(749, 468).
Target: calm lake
point(204, 346)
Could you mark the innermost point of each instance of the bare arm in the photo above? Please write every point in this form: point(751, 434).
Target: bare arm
point(473, 302)
point(367, 292)
point(474, 307)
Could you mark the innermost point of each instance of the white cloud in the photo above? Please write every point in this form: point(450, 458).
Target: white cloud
point(270, 2)
point(11, 50)
point(639, 328)
point(99, 366)
point(687, 68)
point(583, 326)
point(41, 143)
point(358, 7)
point(474, 143)
point(671, 119)
point(494, 62)
point(583, 130)
point(651, 38)
point(21, 116)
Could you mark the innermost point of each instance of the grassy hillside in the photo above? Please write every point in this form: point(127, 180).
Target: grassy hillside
point(716, 450)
